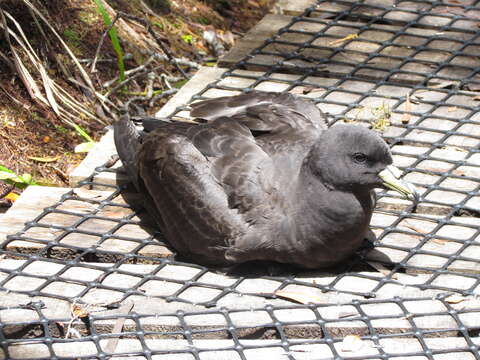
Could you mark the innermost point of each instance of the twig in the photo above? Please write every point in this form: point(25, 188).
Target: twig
point(148, 61)
point(112, 343)
point(149, 87)
point(100, 44)
point(159, 41)
point(130, 72)
point(162, 95)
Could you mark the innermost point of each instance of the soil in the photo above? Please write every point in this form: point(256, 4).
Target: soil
point(31, 130)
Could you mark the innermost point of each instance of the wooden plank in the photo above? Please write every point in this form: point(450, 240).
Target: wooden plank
point(241, 79)
point(288, 7)
point(99, 155)
point(389, 10)
point(105, 148)
point(29, 205)
point(396, 247)
point(70, 283)
point(128, 238)
point(251, 349)
point(341, 319)
point(203, 77)
point(344, 57)
point(34, 199)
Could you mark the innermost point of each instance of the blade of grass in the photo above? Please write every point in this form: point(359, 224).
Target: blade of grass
point(112, 33)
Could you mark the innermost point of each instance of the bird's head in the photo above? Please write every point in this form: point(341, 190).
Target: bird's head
point(353, 158)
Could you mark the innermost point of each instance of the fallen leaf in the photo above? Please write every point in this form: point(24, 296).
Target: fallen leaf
point(300, 297)
point(346, 38)
point(409, 225)
point(452, 109)
point(452, 147)
point(112, 343)
point(351, 343)
point(345, 314)
point(382, 269)
point(78, 311)
point(435, 169)
point(84, 147)
point(12, 196)
point(45, 159)
point(454, 299)
point(87, 194)
point(406, 117)
point(46, 139)
point(444, 84)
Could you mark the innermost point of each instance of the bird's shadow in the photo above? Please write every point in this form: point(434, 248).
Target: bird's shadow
point(251, 269)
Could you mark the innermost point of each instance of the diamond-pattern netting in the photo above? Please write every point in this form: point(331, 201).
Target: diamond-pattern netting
point(421, 328)
point(408, 69)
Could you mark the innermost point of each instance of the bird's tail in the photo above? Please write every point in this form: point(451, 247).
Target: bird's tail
point(127, 142)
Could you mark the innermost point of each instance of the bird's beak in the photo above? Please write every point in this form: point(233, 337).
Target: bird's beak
point(391, 180)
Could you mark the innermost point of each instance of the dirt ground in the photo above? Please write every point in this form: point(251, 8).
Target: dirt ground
point(33, 139)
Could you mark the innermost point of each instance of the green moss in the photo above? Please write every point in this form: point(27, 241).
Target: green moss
point(72, 37)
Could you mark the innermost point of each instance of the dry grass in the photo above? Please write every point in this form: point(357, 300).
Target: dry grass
point(46, 87)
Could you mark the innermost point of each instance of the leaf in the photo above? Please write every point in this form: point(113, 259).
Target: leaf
point(300, 297)
point(455, 299)
point(78, 311)
point(86, 194)
point(3, 168)
point(406, 117)
point(45, 159)
point(84, 147)
point(351, 343)
point(112, 33)
point(27, 178)
point(187, 38)
point(339, 41)
point(180, 83)
point(82, 133)
point(411, 226)
point(5, 175)
point(382, 269)
point(12, 196)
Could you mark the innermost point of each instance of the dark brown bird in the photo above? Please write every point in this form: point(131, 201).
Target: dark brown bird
point(262, 178)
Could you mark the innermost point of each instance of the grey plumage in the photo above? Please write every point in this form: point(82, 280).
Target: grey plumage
point(262, 179)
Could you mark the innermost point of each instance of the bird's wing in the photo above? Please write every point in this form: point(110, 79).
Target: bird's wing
point(263, 111)
point(127, 142)
point(208, 184)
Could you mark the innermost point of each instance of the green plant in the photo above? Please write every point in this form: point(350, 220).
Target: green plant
point(19, 181)
point(89, 142)
point(112, 33)
point(188, 39)
point(72, 36)
point(61, 129)
point(203, 20)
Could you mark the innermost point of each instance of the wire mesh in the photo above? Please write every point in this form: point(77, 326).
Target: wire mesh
point(408, 69)
point(393, 328)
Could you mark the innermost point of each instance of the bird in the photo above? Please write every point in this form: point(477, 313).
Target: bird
point(259, 176)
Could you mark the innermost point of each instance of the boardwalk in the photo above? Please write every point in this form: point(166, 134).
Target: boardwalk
point(84, 276)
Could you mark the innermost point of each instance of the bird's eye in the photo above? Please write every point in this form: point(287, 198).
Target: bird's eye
point(359, 157)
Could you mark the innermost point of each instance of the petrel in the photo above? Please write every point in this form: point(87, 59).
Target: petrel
point(259, 176)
